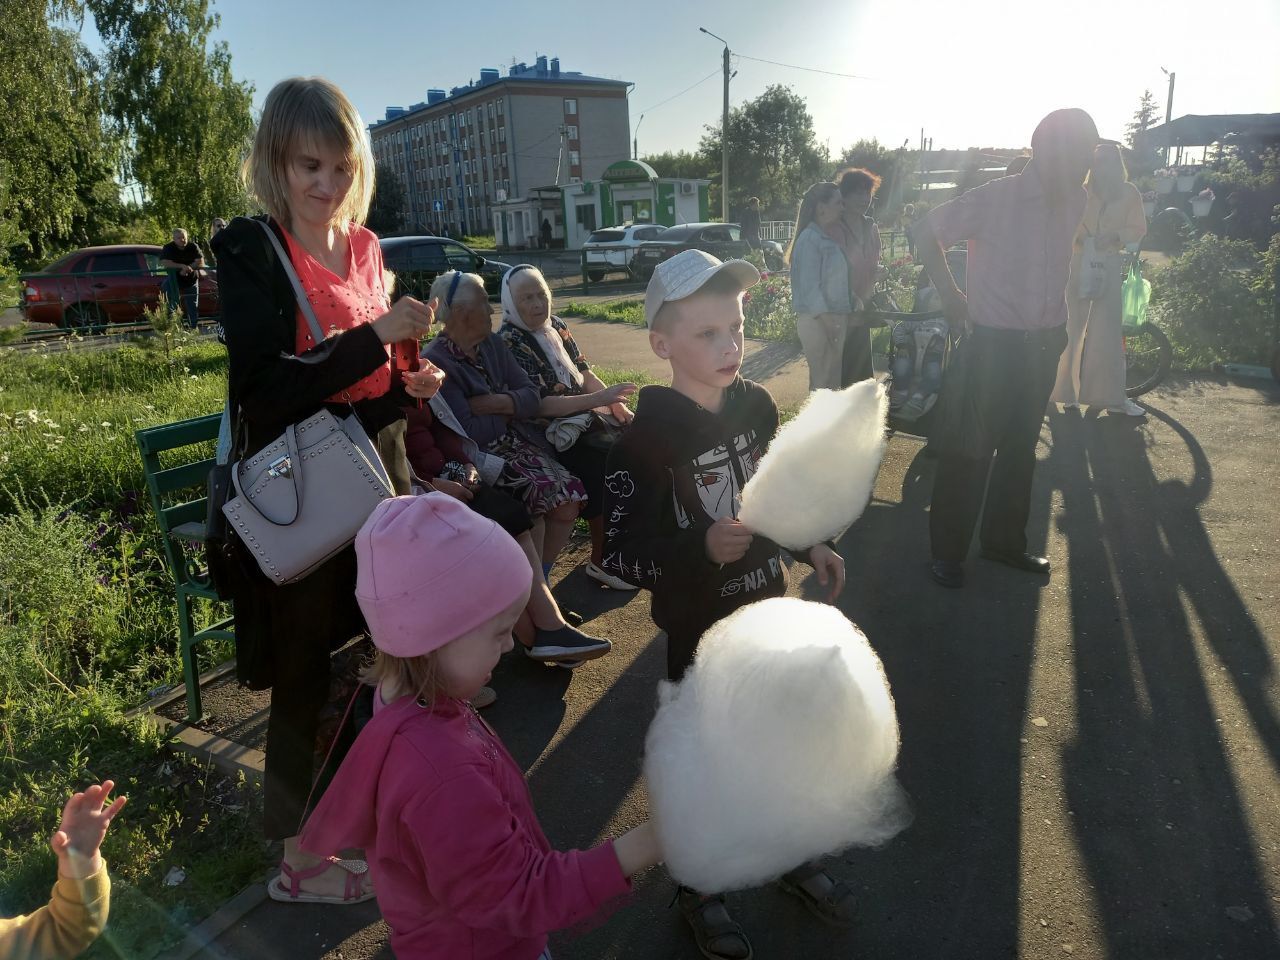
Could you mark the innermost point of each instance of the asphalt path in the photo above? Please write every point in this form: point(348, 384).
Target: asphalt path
point(1092, 759)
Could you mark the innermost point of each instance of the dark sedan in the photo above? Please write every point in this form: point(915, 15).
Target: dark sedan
point(723, 240)
point(416, 261)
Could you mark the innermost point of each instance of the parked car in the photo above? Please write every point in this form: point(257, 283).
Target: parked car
point(416, 261)
point(723, 240)
point(610, 250)
point(97, 286)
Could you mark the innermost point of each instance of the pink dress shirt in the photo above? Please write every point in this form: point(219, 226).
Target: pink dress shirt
point(1019, 250)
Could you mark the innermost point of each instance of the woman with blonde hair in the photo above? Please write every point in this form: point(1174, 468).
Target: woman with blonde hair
point(1091, 372)
point(820, 292)
point(311, 171)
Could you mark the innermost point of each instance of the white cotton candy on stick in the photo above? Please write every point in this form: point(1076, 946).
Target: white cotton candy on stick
point(817, 476)
point(777, 747)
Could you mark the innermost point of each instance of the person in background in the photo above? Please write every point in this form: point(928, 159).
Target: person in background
point(545, 349)
point(77, 912)
point(183, 259)
point(1020, 232)
point(546, 234)
point(499, 408)
point(861, 244)
point(820, 293)
point(751, 223)
point(215, 226)
point(1091, 372)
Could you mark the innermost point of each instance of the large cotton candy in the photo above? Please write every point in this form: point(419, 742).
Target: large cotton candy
point(778, 746)
point(818, 475)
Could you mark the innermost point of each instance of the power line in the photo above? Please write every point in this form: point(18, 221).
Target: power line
point(682, 92)
point(793, 66)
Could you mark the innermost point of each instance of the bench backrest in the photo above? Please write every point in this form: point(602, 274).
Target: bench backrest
point(178, 488)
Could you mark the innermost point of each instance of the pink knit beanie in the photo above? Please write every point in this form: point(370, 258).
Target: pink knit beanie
point(429, 569)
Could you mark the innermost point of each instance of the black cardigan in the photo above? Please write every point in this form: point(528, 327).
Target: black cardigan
point(270, 386)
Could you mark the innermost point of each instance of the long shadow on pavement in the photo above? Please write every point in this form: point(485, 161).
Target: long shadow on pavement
point(1158, 817)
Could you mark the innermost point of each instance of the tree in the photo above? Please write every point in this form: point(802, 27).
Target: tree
point(1144, 118)
point(1143, 159)
point(57, 160)
point(773, 153)
point(185, 119)
point(683, 164)
point(387, 209)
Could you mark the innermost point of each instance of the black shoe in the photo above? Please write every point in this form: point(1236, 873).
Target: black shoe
point(1019, 561)
point(566, 643)
point(948, 573)
point(717, 934)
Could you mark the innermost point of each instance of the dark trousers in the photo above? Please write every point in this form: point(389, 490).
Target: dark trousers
point(1009, 377)
point(855, 364)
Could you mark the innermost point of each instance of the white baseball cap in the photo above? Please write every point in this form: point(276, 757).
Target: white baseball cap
point(684, 275)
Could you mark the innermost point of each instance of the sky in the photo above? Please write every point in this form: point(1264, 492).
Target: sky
point(969, 74)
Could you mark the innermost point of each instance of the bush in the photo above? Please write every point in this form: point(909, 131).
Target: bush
point(88, 629)
point(1215, 302)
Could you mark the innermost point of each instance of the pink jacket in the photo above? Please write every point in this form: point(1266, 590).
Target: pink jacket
point(461, 865)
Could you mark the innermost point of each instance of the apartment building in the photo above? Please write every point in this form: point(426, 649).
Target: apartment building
point(497, 139)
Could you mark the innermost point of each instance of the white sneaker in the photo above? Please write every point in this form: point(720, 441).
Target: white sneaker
point(608, 580)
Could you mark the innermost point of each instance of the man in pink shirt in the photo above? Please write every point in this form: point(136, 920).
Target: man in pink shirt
point(1019, 231)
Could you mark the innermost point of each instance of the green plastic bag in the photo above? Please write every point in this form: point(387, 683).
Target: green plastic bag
point(1135, 294)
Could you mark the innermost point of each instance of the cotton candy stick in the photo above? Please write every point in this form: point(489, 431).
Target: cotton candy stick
point(818, 474)
point(778, 746)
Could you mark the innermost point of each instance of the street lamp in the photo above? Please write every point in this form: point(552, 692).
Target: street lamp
point(635, 142)
point(724, 132)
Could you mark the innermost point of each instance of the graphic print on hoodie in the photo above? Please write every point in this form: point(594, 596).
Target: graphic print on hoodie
point(676, 470)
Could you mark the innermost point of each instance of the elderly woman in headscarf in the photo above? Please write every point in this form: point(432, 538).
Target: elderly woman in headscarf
point(499, 407)
point(583, 414)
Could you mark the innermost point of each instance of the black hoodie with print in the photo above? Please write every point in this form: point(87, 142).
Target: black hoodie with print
point(676, 470)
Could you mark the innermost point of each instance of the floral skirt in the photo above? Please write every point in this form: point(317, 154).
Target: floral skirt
point(533, 476)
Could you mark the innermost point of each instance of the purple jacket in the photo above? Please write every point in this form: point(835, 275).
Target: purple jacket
point(462, 868)
point(494, 371)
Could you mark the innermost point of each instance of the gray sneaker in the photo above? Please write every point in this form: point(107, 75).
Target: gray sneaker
point(566, 643)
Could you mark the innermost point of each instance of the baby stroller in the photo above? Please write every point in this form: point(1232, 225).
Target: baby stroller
point(920, 345)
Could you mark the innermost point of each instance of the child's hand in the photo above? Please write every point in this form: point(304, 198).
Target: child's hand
point(829, 566)
point(727, 541)
point(84, 824)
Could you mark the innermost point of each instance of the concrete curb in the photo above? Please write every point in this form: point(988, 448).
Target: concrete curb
point(200, 939)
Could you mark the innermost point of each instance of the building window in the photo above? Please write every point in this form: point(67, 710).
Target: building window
point(502, 134)
point(490, 109)
point(571, 108)
point(574, 158)
point(573, 132)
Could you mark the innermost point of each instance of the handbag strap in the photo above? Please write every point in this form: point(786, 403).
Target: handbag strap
point(304, 303)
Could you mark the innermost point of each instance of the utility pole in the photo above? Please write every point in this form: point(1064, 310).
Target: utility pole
point(635, 142)
point(1168, 111)
point(724, 133)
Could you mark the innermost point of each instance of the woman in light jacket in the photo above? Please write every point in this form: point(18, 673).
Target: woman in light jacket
point(1091, 372)
point(820, 284)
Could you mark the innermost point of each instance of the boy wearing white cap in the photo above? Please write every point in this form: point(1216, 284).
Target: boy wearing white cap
point(671, 498)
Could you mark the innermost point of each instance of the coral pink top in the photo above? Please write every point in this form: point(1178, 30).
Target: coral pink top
point(341, 305)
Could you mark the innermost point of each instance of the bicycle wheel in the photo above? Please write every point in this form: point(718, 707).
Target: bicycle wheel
point(1147, 358)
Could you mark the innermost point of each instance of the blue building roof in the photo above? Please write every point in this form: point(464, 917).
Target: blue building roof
point(543, 70)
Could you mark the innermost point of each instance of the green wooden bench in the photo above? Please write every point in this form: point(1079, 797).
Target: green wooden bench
point(179, 496)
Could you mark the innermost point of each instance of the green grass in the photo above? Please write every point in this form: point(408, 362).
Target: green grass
point(616, 311)
point(88, 629)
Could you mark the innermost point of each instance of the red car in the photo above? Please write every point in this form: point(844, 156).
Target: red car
point(100, 285)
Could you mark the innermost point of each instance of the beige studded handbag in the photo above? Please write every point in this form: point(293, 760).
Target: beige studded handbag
point(303, 497)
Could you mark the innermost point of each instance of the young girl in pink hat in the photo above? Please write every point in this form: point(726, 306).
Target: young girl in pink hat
point(461, 866)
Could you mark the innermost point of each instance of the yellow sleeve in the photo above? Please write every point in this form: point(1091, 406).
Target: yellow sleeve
point(74, 918)
point(1134, 227)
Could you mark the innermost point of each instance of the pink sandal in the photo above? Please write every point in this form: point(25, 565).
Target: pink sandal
point(353, 885)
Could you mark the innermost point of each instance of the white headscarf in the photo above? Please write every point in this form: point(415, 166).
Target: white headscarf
point(548, 338)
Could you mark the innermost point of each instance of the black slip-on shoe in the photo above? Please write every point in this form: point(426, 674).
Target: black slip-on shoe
point(948, 573)
point(566, 643)
point(1019, 561)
